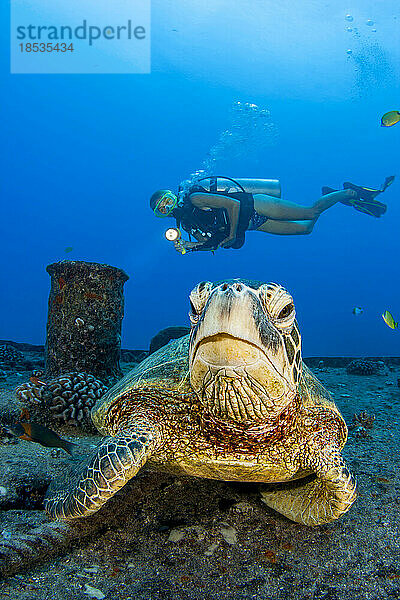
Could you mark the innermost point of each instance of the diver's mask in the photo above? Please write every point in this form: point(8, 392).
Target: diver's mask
point(166, 205)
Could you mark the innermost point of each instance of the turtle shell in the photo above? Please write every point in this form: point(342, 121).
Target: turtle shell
point(168, 367)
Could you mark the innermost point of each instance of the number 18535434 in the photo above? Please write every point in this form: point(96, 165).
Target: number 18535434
point(46, 47)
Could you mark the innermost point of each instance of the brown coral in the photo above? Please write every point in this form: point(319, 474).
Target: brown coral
point(10, 356)
point(364, 420)
point(365, 367)
point(361, 423)
point(69, 397)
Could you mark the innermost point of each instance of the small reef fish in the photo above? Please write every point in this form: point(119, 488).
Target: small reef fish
point(390, 118)
point(33, 432)
point(357, 310)
point(36, 380)
point(388, 318)
point(68, 249)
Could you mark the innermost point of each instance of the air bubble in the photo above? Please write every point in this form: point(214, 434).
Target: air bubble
point(349, 18)
point(370, 22)
point(349, 29)
point(349, 51)
point(251, 133)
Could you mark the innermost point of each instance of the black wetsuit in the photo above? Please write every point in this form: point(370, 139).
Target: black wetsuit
point(214, 224)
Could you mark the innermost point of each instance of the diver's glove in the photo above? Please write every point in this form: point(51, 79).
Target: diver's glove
point(180, 246)
point(183, 247)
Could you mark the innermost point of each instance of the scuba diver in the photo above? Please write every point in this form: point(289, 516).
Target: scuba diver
point(217, 210)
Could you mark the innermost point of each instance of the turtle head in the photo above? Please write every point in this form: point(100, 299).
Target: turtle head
point(245, 350)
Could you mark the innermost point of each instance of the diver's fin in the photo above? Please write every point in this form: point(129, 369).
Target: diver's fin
point(369, 207)
point(327, 190)
point(367, 193)
point(388, 181)
point(361, 191)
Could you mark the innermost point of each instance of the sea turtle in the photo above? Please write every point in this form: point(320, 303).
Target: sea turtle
point(231, 401)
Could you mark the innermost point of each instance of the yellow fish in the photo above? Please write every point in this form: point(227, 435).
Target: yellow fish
point(390, 322)
point(390, 118)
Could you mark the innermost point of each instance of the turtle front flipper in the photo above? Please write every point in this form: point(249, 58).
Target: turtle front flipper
point(116, 460)
point(323, 499)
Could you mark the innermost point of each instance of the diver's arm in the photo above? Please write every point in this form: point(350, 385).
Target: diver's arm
point(231, 206)
point(192, 246)
point(201, 244)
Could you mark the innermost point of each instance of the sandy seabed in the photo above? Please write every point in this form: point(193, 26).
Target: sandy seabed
point(168, 538)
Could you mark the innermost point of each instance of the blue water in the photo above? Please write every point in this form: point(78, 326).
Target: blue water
point(82, 154)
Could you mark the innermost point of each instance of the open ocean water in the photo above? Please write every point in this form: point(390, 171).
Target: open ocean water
point(306, 93)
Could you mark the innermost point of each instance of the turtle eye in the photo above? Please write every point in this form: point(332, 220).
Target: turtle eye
point(193, 316)
point(198, 299)
point(286, 311)
point(278, 303)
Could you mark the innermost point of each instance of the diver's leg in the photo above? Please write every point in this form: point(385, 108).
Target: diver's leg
point(276, 208)
point(287, 227)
